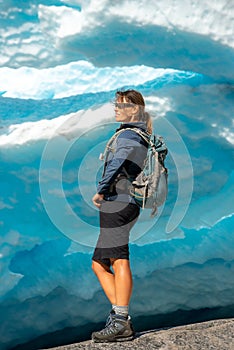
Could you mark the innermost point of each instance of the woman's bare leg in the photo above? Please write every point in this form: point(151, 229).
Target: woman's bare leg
point(122, 280)
point(106, 279)
point(117, 286)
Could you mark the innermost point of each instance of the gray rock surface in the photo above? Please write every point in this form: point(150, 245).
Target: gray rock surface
point(212, 335)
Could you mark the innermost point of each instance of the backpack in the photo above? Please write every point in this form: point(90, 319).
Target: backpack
point(150, 187)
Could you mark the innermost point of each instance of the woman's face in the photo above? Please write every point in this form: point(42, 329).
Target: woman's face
point(125, 112)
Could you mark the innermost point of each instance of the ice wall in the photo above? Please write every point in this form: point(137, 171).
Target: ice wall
point(61, 62)
point(186, 35)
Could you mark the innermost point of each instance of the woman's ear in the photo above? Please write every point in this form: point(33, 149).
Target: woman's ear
point(135, 109)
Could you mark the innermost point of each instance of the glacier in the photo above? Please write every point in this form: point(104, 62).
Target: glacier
point(61, 62)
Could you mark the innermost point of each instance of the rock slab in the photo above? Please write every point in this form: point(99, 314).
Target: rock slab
point(211, 335)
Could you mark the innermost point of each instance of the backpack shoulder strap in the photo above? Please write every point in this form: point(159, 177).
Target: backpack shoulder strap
point(110, 142)
point(144, 135)
point(157, 144)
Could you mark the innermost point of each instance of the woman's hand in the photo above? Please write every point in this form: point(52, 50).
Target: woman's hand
point(97, 199)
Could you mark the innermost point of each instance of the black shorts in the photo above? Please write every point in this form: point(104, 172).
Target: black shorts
point(116, 221)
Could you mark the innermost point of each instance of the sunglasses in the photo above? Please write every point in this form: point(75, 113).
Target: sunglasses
point(123, 105)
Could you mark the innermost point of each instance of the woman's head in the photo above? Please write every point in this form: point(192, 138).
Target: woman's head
point(134, 109)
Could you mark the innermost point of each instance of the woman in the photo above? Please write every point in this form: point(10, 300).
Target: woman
point(118, 213)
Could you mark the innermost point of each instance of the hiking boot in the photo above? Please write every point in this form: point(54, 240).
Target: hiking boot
point(119, 329)
point(110, 318)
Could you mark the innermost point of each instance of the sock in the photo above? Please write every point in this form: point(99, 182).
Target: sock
point(113, 307)
point(121, 310)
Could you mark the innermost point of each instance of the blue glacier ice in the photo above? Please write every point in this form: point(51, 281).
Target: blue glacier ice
point(61, 62)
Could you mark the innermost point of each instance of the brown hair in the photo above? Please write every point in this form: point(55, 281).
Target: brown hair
point(136, 98)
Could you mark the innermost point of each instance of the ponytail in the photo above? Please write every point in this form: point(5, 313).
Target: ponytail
point(146, 118)
point(149, 124)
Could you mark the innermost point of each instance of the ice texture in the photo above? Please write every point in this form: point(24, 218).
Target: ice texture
point(60, 65)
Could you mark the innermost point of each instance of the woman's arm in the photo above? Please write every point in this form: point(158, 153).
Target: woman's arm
point(114, 167)
point(126, 144)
